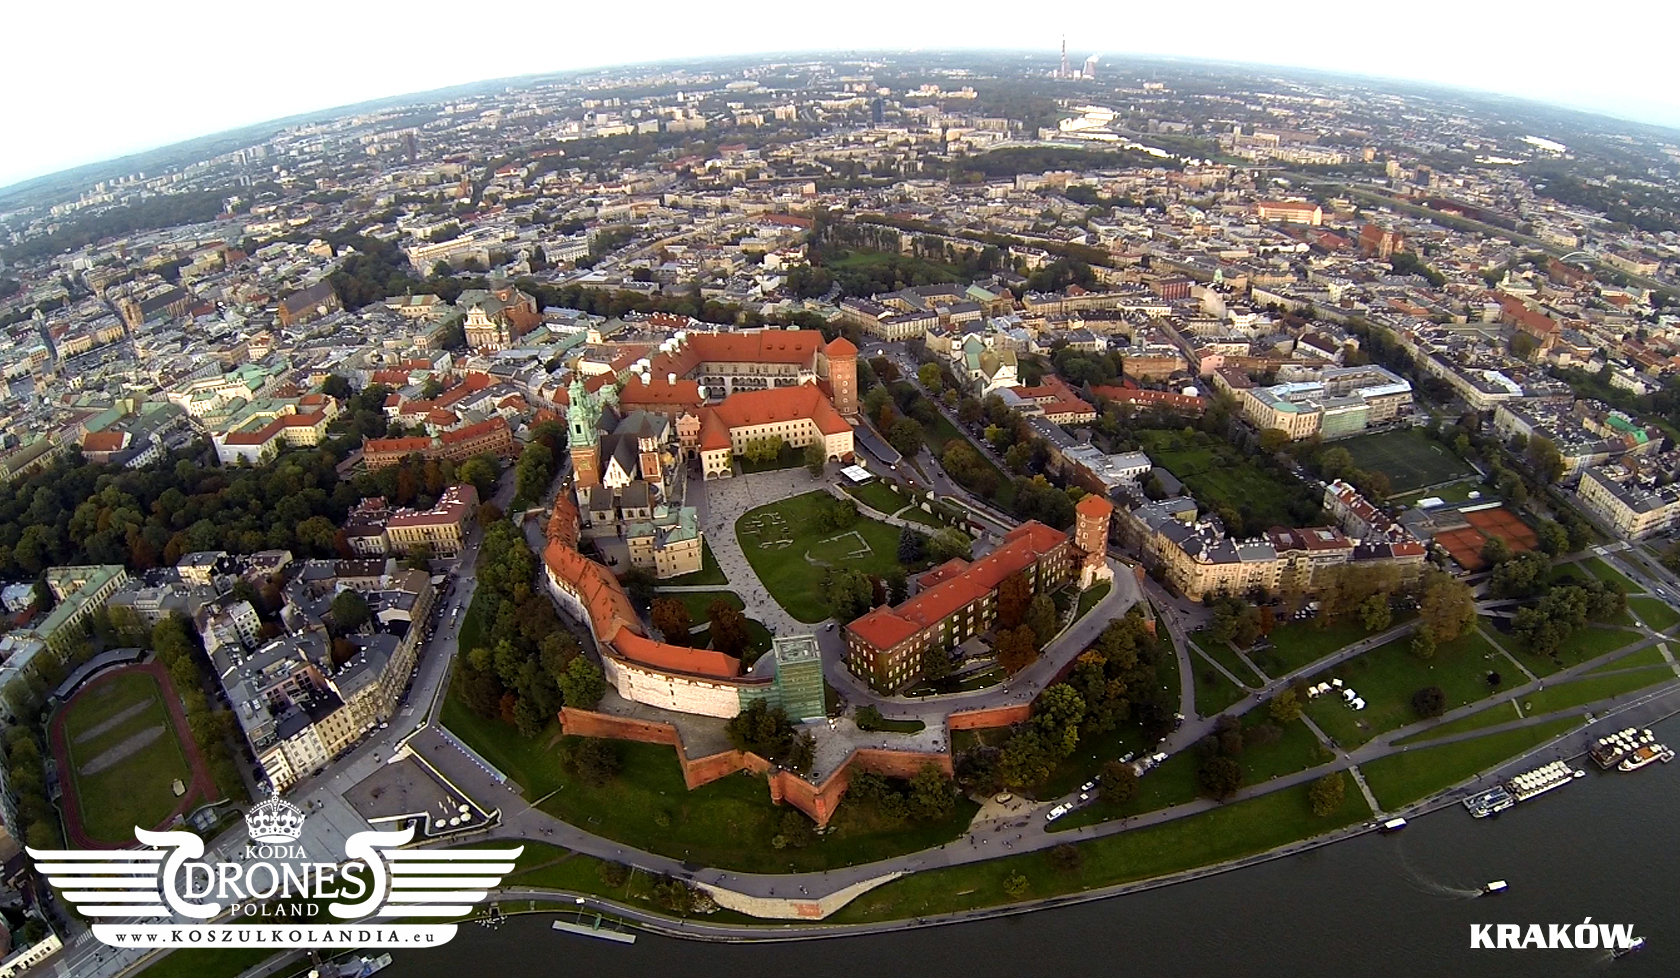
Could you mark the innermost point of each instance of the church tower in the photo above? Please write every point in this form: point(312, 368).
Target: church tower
point(583, 416)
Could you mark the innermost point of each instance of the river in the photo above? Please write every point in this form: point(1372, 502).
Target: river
point(1374, 907)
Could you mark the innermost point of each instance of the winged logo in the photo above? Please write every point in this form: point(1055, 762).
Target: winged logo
point(134, 885)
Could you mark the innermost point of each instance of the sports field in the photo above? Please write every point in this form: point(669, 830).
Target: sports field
point(1409, 458)
point(125, 754)
point(790, 555)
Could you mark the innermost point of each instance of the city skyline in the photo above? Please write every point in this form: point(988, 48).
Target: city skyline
point(170, 101)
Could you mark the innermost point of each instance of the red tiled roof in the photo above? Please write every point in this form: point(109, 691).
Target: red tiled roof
point(1095, 507)
point(674, 658)
point(405, 446)
point(473, 431)
point(841, 347)
point(103, 441)
point(779, 404)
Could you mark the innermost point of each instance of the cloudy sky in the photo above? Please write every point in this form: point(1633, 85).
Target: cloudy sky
point(93, 80)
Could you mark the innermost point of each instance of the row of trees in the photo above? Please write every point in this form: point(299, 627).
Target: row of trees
point(179, 650)
point(766, 731)
point(523, 664)
point(727, 627)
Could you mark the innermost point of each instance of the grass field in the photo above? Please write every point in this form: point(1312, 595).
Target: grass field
point(1409, 458)
point(1301, 643)
point(135, 790)
point(1654, 612)
point(1388, 676)
point(1455, 492)
point(878, 495)
point(1223, 475)
point(1229, 832)
point(790, 555)
point(1400, 779)
point(1090, 597)
point(1214, 693)
point(1591, 689)
point(1588, 643)
point(1648, 656)
point(1493, 716)
point(728, 824)
point(1223, 654)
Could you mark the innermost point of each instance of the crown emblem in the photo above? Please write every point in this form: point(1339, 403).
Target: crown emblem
point(273, 820)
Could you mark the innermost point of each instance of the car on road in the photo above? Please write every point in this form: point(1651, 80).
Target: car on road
point(1084, 796)
point(1087, 786)
point(1056, 813)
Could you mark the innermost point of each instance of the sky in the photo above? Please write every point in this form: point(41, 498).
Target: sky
point(94, 80)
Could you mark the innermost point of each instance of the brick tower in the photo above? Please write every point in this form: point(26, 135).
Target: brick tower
point(838, 365)
point(1090, 534)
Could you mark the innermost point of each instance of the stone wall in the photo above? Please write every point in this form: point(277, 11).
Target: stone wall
point(817, 801)
point(997, 716)
point(696, 771)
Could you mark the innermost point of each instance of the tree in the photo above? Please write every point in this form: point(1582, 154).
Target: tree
point(1015, 594)
point(1447, 609)
point(1273, 440)
point(730, 634)
point(595, 760)
point(1042, 618)
point(671, 617)
point(639, 582)
point(1016, 649)
point(1066, 858)
point(763, 730)
point(897, 581)
point(582, 684)
point(1430, 701)
point(1496, 551)
point(350, 611)
point(1119, 782)
point(949, 542)
point(1219, 777)
point(1375, 613)
point(532, 474)
point(1285, 706)
point(931, 378)
point(933, 795)
point(848, 593)
point(911, 545)
point(1327, 793)
point(1015, 885)
point(1554, 539)
point(481, 472)
point(905, 436)
point(815, 460)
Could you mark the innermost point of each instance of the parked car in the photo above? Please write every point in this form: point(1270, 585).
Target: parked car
point(1056, 813)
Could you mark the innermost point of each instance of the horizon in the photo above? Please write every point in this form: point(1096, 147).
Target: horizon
point(185, 109)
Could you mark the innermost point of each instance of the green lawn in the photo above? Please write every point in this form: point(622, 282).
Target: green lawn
point(728, 823)
point(1400, 779)
point(1214, 693)
point(1222, 653)
point(1410, 458)
point(1301, 643)
point(1222, 475)
point(878, 495)
point(471, 634)
point(915, 515)
point(1587, 644)
point(1387, 677)
point(1493, 716)
point(708, 574)
point(1241, 829)
point(1651, 655)
point(887, 725)
point(788, 458)
point(135, 790)
point(1604, 572)
point(790, 555)
point(1088, 758)
point(1654, 612)
point(1172, 782)
point(1581, 692)
point(209, 962)
point(1090, 597)
point(953, 684)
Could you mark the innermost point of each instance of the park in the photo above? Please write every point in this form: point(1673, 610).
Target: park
point(790, 554)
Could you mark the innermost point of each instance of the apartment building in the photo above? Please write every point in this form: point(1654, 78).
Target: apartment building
point(443, 528)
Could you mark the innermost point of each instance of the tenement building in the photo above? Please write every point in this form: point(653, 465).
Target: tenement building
point(1635, 502)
